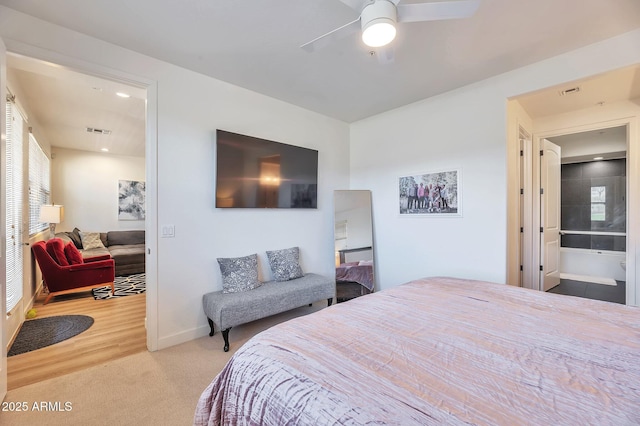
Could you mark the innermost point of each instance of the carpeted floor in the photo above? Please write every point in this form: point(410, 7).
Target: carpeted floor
point(42, 332)
point(124, 286)
point(149, 388)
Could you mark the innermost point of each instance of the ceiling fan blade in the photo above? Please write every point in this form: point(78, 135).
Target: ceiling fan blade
point(330, 37)
point(385, 54)
point(357, 5)
point(455, 9)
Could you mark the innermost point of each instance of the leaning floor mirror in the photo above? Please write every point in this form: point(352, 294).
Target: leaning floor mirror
point(353, 238)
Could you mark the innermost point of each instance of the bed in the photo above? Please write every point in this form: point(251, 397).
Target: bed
point(438, 351)
point(354, 279)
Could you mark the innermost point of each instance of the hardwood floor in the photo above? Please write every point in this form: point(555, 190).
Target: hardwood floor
point(118, 331)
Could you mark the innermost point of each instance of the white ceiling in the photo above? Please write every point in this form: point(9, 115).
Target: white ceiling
point(585, 146)
point(255, 44)
point(65, 103)
point(598, 90)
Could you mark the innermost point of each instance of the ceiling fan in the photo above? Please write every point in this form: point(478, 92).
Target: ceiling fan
point(378, 19)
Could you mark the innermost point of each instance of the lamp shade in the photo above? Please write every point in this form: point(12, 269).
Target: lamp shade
point(51, 213)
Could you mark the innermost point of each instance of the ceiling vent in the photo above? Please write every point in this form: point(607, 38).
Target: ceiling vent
point(571, 91)
point(98, 131)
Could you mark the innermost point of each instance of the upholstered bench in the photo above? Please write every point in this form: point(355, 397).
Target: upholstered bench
point(226, 310)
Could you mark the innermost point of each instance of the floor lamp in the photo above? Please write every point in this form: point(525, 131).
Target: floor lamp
point(51, 214)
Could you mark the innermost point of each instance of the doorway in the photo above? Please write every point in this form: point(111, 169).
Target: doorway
point(147, 339)
point(602, 221)
point(603, 101)
point(593, 200)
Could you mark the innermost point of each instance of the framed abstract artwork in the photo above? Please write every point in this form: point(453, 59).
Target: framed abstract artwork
point(131, 200)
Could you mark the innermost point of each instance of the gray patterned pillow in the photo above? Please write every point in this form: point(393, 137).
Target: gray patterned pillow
point(285, 264)
point(239, 273)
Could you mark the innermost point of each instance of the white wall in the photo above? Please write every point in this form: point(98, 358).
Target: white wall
point(86, 184)
point(190, 107)
point(466, 129)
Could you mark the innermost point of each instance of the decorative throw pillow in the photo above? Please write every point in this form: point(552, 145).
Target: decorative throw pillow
point(239, 273)
point(91, 240)
point(285, 264)
point(55, 248)
point(73, 255)
point(75, 237)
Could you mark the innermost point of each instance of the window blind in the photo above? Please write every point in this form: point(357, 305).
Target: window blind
point(39, 185)
point(14, 196)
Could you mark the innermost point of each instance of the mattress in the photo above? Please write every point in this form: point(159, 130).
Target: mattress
point(438, 351)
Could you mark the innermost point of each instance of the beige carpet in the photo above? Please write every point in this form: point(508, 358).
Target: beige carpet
point(149, 388)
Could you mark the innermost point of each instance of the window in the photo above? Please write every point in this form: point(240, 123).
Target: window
point(598, 200)
point(39, 185)
point(14, 190)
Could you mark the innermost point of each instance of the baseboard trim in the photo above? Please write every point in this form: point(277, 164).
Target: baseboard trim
point(183, 337)
point(589, 279)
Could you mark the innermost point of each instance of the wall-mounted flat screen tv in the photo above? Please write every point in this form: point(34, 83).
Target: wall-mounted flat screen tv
point(258, 173)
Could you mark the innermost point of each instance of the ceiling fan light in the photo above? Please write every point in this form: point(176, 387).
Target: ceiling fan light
point(379, 32)
point(378, 20)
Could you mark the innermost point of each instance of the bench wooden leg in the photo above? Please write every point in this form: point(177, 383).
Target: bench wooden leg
point(211, 325)
point(225, 335)
point(329, 301)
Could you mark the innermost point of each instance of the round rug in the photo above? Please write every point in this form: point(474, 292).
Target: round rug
point(42, 332)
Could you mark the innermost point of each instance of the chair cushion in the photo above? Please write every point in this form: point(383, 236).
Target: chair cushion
point(55, 248)
point(239, 274)
point(285, 264)
point(73, 255)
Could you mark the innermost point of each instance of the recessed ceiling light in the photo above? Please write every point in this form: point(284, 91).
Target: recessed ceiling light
point(105, 150)
point(123, 95)
point(598, 158)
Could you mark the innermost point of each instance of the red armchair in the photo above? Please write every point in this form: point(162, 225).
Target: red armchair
point(61, 277)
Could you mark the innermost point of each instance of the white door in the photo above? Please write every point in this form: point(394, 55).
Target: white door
point(3, 236)
point(549, 215)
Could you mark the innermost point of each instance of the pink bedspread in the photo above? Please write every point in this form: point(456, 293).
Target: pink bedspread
point(443, 351)
point(353, 271)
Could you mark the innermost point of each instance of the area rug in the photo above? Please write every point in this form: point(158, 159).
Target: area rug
point(124, 286)
point(42, 332)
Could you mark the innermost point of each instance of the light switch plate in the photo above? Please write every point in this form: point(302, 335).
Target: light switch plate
point(168, 231)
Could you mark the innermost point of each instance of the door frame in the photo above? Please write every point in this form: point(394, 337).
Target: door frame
point(633, 193)
point(3, 221)
point(525, 173)
point(151, 161)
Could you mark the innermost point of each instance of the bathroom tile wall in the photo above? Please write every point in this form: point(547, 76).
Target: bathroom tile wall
point(578, 179)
